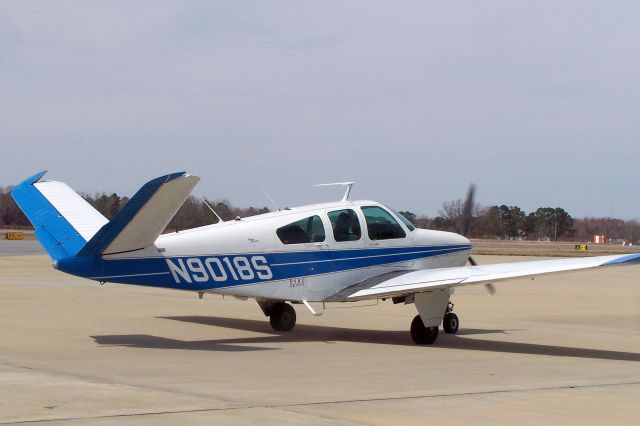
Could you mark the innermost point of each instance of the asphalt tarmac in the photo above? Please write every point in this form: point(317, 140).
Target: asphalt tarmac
point(562, 349)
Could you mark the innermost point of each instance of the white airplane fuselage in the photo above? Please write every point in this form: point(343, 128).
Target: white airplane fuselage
point(218, 258)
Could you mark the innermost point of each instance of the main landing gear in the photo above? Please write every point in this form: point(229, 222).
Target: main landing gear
point(282, 316)
point(423, 335)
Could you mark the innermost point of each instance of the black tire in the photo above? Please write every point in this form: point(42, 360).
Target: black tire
point(423, 335)
point(283, 317)
point(450, 323)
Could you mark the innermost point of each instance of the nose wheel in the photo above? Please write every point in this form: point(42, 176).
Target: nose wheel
point(450, 323)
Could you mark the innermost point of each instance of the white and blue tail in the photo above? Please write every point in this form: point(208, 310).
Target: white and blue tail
point(67, 225)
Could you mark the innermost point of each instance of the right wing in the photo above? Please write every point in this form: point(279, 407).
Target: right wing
point(403, 283)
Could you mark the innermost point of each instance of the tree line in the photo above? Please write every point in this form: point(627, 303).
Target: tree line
point(194, 212)
point(543, 224)
point(494, 222)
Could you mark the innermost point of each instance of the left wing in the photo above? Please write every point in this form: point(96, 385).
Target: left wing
point(409, 282)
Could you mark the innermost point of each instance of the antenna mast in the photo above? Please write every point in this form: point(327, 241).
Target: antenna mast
point(345, 197)
point(213, 211)
point(266, 194)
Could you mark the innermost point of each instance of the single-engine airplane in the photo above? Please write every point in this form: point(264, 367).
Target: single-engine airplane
point(335, 252)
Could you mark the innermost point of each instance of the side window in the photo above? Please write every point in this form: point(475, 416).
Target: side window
point(308, 230)
point(345, 224)
point(381, 225)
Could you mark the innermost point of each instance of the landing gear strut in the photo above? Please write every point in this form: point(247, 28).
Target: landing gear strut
point(282, 316)
point(423, 335)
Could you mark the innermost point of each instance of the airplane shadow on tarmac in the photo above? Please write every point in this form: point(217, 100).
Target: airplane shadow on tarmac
point(315, 333)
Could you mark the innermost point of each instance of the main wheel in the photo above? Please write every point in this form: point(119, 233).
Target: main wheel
point(450, 323)
point(423, 335)
point(283, 317)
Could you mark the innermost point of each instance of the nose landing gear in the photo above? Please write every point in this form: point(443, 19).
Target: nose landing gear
point(450, 321)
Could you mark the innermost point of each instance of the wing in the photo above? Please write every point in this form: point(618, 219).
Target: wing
point(409, 282)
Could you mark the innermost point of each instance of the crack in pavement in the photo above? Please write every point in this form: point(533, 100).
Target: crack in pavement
point(316, 403)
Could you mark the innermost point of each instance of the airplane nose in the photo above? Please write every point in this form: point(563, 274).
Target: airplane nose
point(430, 237)
point(460, 239)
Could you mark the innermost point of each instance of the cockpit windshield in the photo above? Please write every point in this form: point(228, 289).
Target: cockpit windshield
point(404, 220)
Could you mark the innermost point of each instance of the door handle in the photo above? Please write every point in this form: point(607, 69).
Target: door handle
point(321, 244)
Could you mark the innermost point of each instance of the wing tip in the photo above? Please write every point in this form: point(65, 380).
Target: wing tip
point(631, 258)
point(171, 177)
point(35, 178)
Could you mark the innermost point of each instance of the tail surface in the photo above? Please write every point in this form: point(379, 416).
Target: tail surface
point(63, 220)
point(68, 226)
point(139, 223)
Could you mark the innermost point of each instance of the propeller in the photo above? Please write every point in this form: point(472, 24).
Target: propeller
point(464, 222)
point(464, 226)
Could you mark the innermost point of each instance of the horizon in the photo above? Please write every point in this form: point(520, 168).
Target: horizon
point(420, 215)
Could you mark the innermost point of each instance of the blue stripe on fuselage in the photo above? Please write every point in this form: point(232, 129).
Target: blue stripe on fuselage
point(282, 265)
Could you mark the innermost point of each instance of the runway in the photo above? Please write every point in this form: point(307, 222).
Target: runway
point(19, 248)
point(560, 349)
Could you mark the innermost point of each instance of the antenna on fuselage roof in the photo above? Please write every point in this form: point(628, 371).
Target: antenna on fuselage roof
point(345, 197)
point(213, 211)
point(266, 194)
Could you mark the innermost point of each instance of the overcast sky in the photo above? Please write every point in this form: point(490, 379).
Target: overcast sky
point(537, 102)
